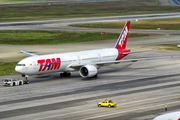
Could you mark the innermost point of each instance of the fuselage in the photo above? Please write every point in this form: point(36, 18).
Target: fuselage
point(60, 62)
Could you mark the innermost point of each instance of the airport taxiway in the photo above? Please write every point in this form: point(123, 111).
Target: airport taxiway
point(140, 89)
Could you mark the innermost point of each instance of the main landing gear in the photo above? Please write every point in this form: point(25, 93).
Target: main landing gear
point(26, 81)
point(65, 74)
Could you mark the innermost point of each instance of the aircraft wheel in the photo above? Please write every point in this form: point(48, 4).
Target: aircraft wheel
point(65, 74)
point(61, 74)
point(27, 82)
point(68, 74)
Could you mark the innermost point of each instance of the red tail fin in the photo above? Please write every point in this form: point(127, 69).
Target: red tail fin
point(121, 42)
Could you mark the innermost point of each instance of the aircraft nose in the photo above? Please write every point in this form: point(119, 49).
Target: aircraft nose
point(17, 69)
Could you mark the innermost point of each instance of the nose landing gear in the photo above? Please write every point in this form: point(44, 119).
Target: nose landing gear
point(26, 81)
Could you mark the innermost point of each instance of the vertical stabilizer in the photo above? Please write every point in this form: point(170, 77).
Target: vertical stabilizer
point(121, 42)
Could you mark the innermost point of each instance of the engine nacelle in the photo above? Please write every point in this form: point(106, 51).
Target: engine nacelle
point(88, 71)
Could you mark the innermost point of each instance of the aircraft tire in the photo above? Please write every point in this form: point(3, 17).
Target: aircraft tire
point(61, 74)
point(65, 74)
point(27, 82)
point(68, 74)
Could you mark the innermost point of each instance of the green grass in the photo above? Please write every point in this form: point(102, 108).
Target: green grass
point(7, 68)
point(18, 1)
point(81, 10)
point(25, 37)
point(167, 24)
point(168, 48)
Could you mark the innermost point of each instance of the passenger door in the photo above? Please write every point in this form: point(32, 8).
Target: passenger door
point(99, 57)
point(34, 65)
point(79, 59)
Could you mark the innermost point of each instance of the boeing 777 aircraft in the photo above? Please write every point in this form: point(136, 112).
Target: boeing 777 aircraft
point(86, 62)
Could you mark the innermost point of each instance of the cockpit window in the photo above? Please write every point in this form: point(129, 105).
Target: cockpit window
point(20, 65)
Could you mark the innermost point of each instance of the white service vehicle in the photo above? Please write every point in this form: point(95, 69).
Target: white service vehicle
point(11, 82)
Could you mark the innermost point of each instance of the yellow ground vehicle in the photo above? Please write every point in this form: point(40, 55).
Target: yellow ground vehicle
point(107, 103)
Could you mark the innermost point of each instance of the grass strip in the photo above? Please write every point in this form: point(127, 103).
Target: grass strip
point(167, 24)
point(34, 37)
point(7, 68)
point(168, 48)
point(81, 10)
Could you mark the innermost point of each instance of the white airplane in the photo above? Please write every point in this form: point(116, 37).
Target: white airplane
point(86, 62)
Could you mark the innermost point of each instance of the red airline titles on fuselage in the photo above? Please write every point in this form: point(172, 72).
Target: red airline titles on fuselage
point(49, 64)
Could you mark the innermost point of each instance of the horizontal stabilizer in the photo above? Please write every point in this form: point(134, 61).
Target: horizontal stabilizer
point(134, 52)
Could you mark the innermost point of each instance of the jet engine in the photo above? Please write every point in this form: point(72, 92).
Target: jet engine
point(88, 71)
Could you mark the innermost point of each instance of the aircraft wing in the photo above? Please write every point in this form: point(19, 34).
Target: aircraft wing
point(31, 54)
point(99, 64)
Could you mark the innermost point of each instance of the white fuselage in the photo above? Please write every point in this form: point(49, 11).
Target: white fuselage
point(59, 62)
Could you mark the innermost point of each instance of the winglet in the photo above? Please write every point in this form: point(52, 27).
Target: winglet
point(28, 53)
point(121, 42)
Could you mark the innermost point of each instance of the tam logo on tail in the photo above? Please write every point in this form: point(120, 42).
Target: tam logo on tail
point(124, 36)
point(121, 43)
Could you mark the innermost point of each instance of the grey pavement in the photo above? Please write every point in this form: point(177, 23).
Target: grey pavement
point(140, 89)
point(60, 2)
